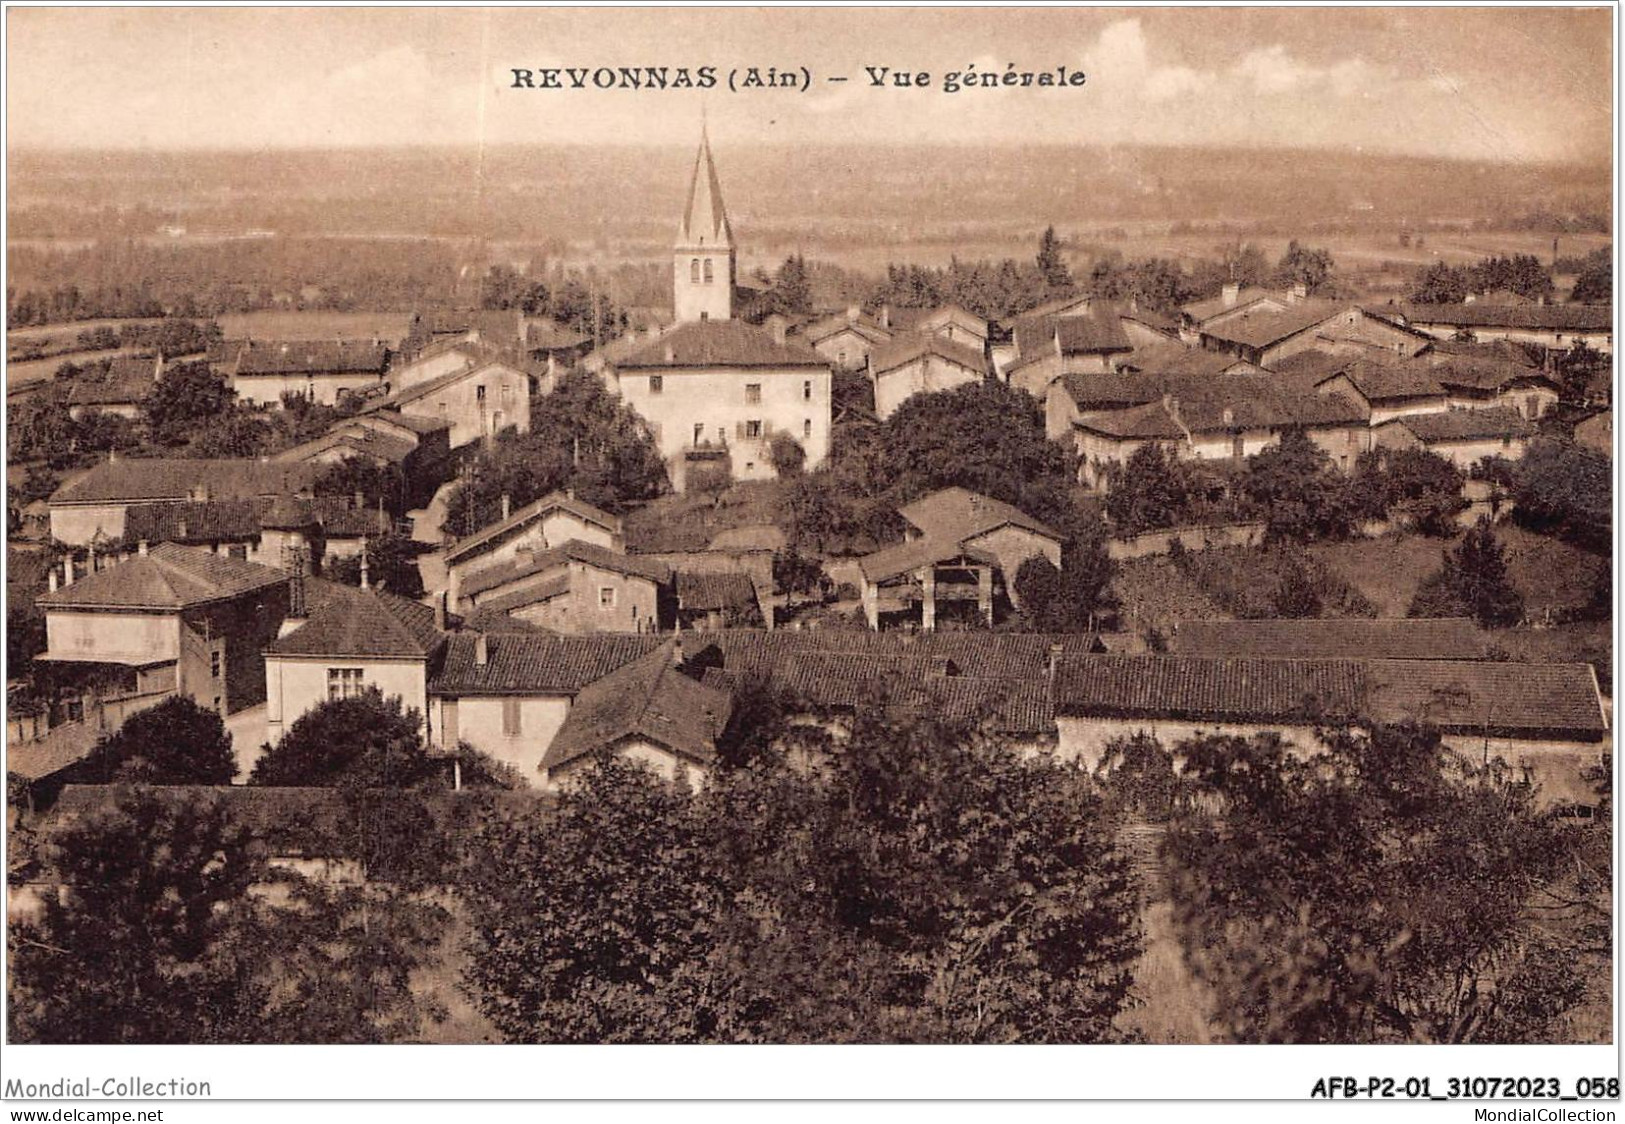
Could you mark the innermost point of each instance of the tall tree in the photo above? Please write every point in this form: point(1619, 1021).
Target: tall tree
point(1473, 582)
point(175, 742)
point(1052, 262)
point(1299, 489)
point(186, 397)
point(1305, 265)
point(366, 741)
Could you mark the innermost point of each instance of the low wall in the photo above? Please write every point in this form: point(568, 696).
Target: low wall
point(1153, 543)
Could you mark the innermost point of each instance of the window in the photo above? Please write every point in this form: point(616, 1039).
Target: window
point(806, 389)
point(343, 682)
point(238, 550)
point(694, 271)
point(750, 467)
point(214, 664)
point(806, 427)
point(722, 435)
point(753, 392)
point(606, 597)
point(657, 384)
point(1237, 449)
point(507, 395)
point(699, 432)
point(707, 271)
point(511, 721)
point(479, 395)
point(840, 357)
point(442, 409)
point(753, 428)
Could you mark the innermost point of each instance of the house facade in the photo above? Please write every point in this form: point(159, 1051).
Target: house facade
point(921, 364)
point(552, 521)
point(93, 506)
point(261, 372)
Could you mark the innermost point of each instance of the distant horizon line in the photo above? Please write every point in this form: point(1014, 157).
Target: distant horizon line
point(13, 151)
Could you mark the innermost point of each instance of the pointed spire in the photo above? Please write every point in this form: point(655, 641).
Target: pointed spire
point(705, 219)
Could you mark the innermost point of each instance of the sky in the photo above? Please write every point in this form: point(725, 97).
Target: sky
point(1519, 84)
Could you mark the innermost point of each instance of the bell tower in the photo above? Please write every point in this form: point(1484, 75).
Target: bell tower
point(704, 263)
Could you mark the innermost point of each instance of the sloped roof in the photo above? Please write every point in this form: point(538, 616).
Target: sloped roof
point(647, 698)
point(537, 509)
point(572, 550)
point(534, 664)
point(553, 336)
point(1478, 314)
point(1167, 406)
point(410, 394)
point(865, 326)
point(1488, 375)
point(1201, 311)
point(61, 748)
point(361, 440)
point(1148, 421)
point(175, 478)
point(1466, 425)
point(705, 218)
point(907, 348)
point(906, 557)
point(168, 577)
point(1266, 328)
point(546, 590)
point(1093, 333)
point(761, 654)
point(360, 623)
point(758, 536)
point(1487, 695)
point(128, 379)
point(1388, 382)
point(920, 686)
point(292, 357)
point(1176, 359)
point(210, 521)
point(721, 343)
point(707, 591)
point(1191, 687)
point(960, 514)
point(1409, 638)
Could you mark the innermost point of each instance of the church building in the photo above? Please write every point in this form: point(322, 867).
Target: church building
point(718, 391)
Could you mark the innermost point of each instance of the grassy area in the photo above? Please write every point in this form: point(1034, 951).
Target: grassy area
point(690, 521)
point(1387, 570)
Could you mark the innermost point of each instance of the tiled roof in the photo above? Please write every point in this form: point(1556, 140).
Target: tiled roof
point(363, 440)
point(1206, 310)
point(906, 349)
point(1219, 404)
point(493, 324)
point(1388, 382)
point(921, 686)
point(1545, 317)
point(759, 654)
point(906, 557)
point(554, 501)
point(211, 521)
point(128, 379)
point(1488, 375)
point(520, 664)
point(1113, 391)
point(960, 514)
point(574, 550)
point(175, 478)
point(714, 591)
point(1487, 696)
point(649, 699)
point(60, 748)
point(410, 394)
point(1191, 687)
point(1266, 328)
point(417, 423)
point(1177, 359)
point(1145, 422)
point(721, 343)
point(167, 577)
point(1401, 638)
point(1466, 425)
point(360, 623)
point(865, 326)
point(1091, 334)
point(546, 590)
point(291, 357)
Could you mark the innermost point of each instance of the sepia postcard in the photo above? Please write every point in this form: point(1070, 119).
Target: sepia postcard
point(598, 533)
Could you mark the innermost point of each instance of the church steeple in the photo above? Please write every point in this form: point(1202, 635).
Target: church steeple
point(704, 263)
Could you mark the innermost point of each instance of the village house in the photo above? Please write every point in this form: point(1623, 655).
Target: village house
point(336, 641)
point(707, 601)
point(1463, 437)
point(960, 548)
point(1225, 418)
point(1506, 385)
point(476, 401)
point(1265, 336)
point(1047, 347)
point(261, 372)
point(415, 451)
point(93, 507)
point(122, 389)
point(169, 619)
point(1385, 391)
point(1232, 301)
point(844, 340)
point(272, 531)
point(554, 348)
point(1556, 326)
point(553, 520)
point(575, 588)
point(921, 364)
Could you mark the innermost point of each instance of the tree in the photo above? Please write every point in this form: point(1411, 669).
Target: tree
point(1416, 484)
point(1051, 262)
point(235, 434)
point(1565, 489)
point(174, 742)
point(159, 934)
point(791, 292)
point(1595, 285)
point(392, 564)
point(1440, 283)
point(786, 455)
point(365, 741)
point(1149, 491)
point(1375, 890)
point(920, 883)
point(1473, 582)
point(44, 429)
point(185, 397)
point(377, 484)
point(794, 572)
point(98, 431)
point(1068, 599)
point(1303, 265)
point(1302, 494)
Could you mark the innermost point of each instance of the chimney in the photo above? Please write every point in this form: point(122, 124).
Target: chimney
point(885, 316)
point(507, 505)
point(440, 613)
point(852, 313)
point(778, 331)
point(1230, 294)
point(180, 528)
point(67, 570)
point(482, 650)
point(365, 584)
point(112, 456)
point(51, 578)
